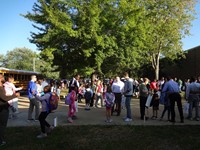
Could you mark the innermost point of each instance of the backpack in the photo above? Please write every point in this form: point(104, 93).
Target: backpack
point(88, 95)
point(68, 99)
point(53, 102)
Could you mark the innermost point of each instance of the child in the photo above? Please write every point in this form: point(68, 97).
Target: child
point(155, 104)
point(88, 96)
point(45, 112)
point(72, 108)
point(109, 101)
point(59, 91)
point(10, 90)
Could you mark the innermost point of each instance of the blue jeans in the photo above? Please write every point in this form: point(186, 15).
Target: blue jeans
point(194, 104)
point(128, 106)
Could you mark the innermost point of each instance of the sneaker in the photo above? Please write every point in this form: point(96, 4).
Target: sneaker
point(3, 143)
point(42, 135)
point(128, 120)
point(70, 120)
point(36, 120)
point(50, 129)
point(30, 120)
point(190, 118)
point(74, 117)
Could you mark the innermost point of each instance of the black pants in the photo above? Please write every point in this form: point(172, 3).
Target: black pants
point(92, 100)
point(4, 113)
point(143, 101)
point(43, 122)
point(175, 97)
point(118, 101)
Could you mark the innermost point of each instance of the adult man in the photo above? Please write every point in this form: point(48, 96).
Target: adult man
point(128, 93)
point(4, 112)
point(172, 89)
point(192, 96)
point(117, 88)
point(143, 97)
point(32, 91)
point(74, 83)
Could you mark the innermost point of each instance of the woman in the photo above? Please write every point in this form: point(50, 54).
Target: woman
point(4, 112)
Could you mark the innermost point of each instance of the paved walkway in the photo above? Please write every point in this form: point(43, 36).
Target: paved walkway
point(96, 116)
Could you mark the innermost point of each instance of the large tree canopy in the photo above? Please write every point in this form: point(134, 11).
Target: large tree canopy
point(85, 35)
point(108, 36)
point(167, 23)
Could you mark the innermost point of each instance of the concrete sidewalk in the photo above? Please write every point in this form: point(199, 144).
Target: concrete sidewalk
point(96, 116)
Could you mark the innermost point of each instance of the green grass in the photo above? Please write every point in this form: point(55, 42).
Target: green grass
point(105, 137)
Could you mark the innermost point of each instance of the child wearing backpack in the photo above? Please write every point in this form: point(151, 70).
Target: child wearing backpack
point(45, 112)
point(88, 96)
point(72, 108)
point(109, 101)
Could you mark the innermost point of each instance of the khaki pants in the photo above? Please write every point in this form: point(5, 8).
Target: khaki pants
point(34, 103)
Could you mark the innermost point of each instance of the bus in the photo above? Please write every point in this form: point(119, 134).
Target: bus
point(22, 77)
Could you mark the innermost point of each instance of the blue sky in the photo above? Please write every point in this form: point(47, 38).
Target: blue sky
point(15, 30)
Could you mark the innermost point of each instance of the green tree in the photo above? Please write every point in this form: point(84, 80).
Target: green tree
point(167, 22)
point(82, 36)
point(20, 58)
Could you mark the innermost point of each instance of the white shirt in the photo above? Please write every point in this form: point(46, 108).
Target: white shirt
point(117, 87)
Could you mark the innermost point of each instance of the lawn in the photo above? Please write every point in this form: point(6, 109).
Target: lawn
point(107, 137)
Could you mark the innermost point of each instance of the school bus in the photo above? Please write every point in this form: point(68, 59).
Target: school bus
point(22, 77)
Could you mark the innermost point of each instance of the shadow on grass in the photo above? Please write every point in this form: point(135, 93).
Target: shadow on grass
point(105, 137)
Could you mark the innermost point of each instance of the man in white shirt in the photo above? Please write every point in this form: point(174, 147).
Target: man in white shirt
point(117, 89)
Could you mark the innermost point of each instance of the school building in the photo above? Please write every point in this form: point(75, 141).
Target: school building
point(185, 67)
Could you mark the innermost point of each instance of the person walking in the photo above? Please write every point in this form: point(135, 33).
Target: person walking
point(32, 92)
point(172, 89)
point(45, 112)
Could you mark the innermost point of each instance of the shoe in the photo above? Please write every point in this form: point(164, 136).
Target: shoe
point(30, 120)
point(189, 118)
point(172, 121)
point(128, 120)
point(74, 117)
point(110, 120)
point(36, 120)
point(50, 129)
point(3, 143)
point(70, 120)
point(42, 135)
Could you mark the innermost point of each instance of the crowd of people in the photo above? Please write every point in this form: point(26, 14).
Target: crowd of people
point(113, 96)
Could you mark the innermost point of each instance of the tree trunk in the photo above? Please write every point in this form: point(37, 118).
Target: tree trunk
point(156, 64)
point(157, 71)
